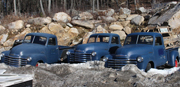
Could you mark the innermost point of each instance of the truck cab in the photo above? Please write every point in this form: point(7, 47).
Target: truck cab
point(97, 47)
point(35, 48)
point(146, 50)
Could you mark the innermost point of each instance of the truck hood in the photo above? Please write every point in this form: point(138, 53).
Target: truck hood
point(92, 47)
point(27, 49)
point(132, 51)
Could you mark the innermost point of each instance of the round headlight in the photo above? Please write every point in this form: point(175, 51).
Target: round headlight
point(29, 59)
point(93, 53)
point(104, 59)
point(68, 53)
point(140, 59)
point(1, 54)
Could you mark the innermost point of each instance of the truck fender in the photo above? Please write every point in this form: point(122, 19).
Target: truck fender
point(100, 54)
point(146, 60)
point(172, 58)
point(36, 58)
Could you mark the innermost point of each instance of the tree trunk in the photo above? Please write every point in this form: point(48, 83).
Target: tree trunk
point(97, 4)
point(93, 5)
point(42, 8)
point(15, 11)
point(117, 3)
point(65, 5)
point(19, 7)
point(49, 6)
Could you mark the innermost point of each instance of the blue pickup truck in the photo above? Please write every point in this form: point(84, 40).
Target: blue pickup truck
point(35, 48)
point(97, 47)
point(146, 50)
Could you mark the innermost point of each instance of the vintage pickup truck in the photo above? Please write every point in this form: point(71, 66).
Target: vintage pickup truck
point(35, 48)
point(97, 47)
point(146, 50)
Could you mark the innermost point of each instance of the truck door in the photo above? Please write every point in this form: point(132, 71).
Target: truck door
point(52, 51)
point(159, 51)
point(114, 45)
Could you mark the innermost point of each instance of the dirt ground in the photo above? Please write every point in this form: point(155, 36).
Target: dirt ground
point(93, 74)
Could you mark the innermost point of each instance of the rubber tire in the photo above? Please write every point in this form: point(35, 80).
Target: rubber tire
point(176, 63)
point(148, 67)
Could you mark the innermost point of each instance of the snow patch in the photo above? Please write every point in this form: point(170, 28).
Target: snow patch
point(164, 72)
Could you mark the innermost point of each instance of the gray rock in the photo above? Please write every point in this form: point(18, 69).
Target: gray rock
point(40, 21)
point(137, 20)
point(125, 11)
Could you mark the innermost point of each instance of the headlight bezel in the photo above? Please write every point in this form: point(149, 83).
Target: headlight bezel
point(2, 55)
point(140, 59)
point(29, 59)
point(68, 53)
point(104, 59)
point(93, 53)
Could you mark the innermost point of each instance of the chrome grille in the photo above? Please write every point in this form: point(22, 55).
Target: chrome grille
point(80, 57)
point(15, 61)
point(118, 64)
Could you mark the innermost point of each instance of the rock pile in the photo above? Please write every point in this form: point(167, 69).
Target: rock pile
point(72, 30)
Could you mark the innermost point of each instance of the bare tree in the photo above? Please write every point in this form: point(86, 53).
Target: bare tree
point(42, 8)
point(93, 5)
point(97, 4)
point(15, 11)
point(65, 5)
point(49, 6)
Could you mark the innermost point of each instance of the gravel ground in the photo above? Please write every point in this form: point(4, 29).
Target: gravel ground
point(93, 74)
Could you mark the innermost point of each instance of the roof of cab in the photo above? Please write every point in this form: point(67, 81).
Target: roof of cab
point(105, 34)
point(146, 33)
point(42, 34)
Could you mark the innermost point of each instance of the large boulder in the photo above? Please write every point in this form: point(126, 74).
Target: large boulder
point(63, 38)
point(100, 29)
point(137, 20)
point(86, 37)
point(108, 12)
point(73, 32)
point(22, 34)
point(87, 24)
point(130, 17)
point(45, 30)
point(116, 27)
point(108, 19)
point(141, 10)
point(55, 28)
point(19, 24)
point(62, 17)
point(85, 16)
point(40, 21)
point(9, 42)
point(125, 11)
point(122, 34)
point(169, 16)
point(127, 29)
point(3, 38)
point(2, 28)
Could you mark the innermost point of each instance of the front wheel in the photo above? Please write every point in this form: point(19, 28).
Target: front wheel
point(148, 67)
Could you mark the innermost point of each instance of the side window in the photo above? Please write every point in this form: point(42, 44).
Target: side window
point(52, 41)
point(28, 39)
point(91, 40)
point(158, 41)
point(114, 40)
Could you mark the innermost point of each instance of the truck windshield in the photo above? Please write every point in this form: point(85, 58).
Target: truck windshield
point(35, 39)
point(139, 39)
point(96, 39)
